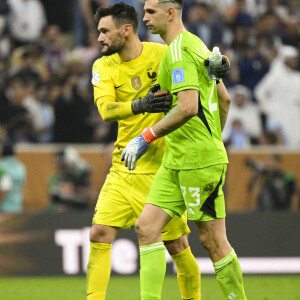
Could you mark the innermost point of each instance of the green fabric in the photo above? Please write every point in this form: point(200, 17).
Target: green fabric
point(198, 191)
point(153, 269)
point(193, 145)
point(229, 277)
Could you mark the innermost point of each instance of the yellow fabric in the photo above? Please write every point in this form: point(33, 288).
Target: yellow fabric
point(122, 200)
point(116, 85)
point(188, 275)
point(98, 270)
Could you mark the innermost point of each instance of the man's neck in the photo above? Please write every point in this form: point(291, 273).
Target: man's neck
point(132, 49)
point(172, 31)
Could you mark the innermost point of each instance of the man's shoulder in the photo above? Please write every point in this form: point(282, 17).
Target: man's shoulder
point(107, 61)
point(190, 43)
point(154, 49)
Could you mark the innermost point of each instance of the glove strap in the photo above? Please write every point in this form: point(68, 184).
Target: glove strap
point(148, 135)
point(227, 59)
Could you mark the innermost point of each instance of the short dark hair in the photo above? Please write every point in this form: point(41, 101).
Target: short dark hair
point(179, 2)
point(121, 13)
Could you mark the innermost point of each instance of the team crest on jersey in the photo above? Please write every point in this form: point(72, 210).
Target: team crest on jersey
point(178, 75)
point(152, 75)
point(96, 77)
point(136, 82)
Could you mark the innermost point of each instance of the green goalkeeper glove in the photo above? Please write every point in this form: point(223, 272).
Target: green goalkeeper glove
point(155, 101)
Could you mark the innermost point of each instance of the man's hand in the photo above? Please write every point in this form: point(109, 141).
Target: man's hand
point(135, 149)
point(155, 101)
point(223, 70)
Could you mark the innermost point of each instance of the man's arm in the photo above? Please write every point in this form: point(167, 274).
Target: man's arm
point(155, 101)
point(224, 103)
point(110, 110)
point(186, 108)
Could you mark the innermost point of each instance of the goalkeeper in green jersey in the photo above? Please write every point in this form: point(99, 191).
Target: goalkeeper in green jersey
point(193, 169)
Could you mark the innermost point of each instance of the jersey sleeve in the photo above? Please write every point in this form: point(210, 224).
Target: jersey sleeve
point(102, 82)
point(183, 70)
point(105, 95)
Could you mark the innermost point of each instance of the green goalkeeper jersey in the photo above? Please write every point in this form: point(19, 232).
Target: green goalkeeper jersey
point(198, 143)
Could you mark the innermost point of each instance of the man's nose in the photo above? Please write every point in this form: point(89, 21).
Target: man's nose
point(101, 37)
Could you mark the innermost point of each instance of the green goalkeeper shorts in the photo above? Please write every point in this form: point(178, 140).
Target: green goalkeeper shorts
point(198, 191)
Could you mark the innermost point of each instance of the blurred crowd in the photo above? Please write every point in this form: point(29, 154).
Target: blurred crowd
point(47, 49)
point(45, 71)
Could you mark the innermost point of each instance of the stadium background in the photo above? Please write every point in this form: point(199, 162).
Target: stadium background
point(39, 242)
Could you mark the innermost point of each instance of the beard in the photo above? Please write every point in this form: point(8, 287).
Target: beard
point(115, 47)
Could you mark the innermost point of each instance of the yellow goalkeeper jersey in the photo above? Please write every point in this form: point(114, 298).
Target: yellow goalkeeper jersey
point(117, 83)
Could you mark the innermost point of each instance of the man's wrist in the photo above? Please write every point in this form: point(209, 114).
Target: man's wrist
point(148, 135)
point(137, 107)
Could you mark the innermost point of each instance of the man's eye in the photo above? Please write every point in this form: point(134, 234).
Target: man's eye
point(151, 12)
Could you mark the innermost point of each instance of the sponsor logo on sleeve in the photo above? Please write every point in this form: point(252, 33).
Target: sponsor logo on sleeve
point(178, 75)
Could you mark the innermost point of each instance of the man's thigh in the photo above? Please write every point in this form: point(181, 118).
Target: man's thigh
point(122, 199)
point(203, 193)
point(166, 194)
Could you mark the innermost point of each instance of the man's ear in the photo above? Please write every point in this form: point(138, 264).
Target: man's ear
point(127, 29)
point(170, 13)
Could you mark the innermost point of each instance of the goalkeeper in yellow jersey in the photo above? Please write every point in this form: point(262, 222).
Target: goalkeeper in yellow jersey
point(125, 90)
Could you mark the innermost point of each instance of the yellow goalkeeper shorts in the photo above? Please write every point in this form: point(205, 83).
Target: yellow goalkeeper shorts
point(122, 199)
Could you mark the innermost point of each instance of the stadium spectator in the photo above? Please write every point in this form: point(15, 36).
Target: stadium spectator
point(26, 21)
point(16, 118)
point(30, 58)
point(24, 66)
point(280, 104)
point(12, 202)
point(271, 188)
point(5, 46)
point(291, 34)
point(238, 137)
point(5, 186)
point(40, 111)
point(69, 127)
point(250, 33)
point(55, 54)
point(254, 62)
point(247, 113)
point(69, 186)
point(240, 15)
point(200, 22)
point(88, 50)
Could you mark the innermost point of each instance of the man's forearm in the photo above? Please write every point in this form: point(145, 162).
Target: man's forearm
point(223, 111)
point(224, 103)
point(114, 111)
point(173, 120)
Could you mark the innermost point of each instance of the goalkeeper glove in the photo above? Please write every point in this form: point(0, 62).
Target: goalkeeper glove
point(223, 70)
point(155, 101)
point(137, 147)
